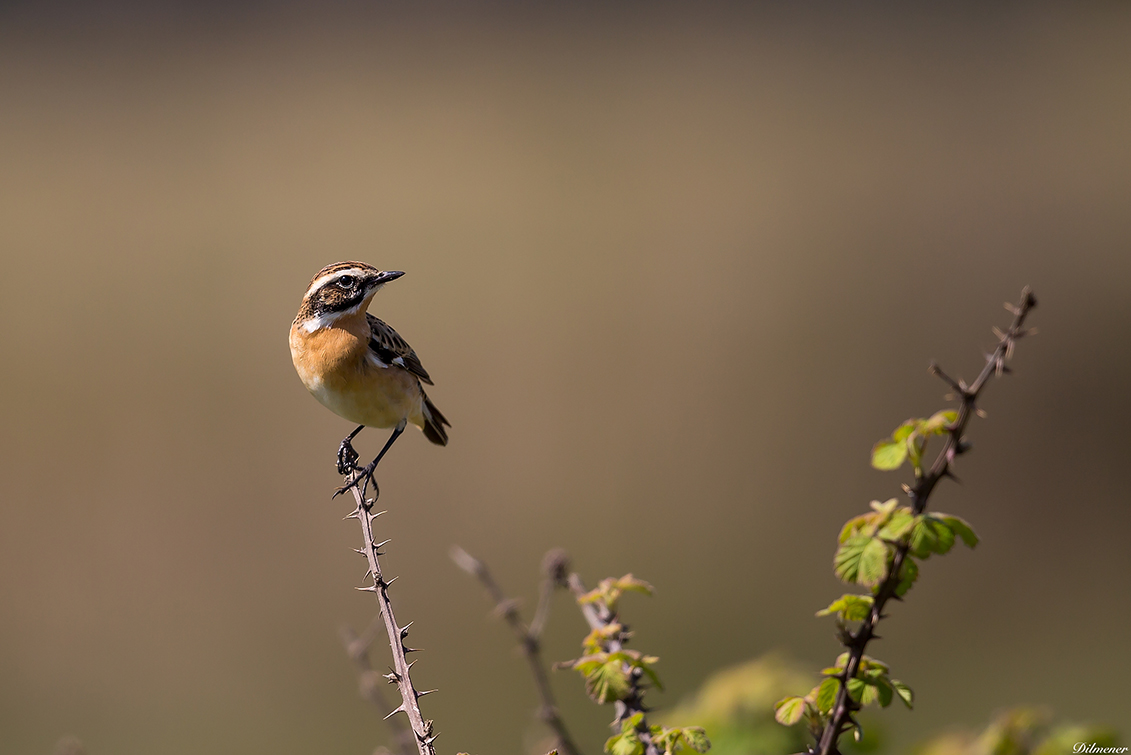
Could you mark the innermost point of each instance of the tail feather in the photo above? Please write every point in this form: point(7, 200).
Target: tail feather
point(434, 423)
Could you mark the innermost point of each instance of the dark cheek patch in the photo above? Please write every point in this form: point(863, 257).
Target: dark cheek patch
point(332, 299)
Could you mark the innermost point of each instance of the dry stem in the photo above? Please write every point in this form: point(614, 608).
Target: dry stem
point(528, 639)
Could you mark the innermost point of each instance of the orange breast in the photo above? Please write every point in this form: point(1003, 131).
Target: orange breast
point(335, 365)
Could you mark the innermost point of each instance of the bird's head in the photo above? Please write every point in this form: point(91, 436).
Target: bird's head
point(339, 290)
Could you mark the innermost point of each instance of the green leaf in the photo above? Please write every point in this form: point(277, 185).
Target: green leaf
point(846, 562)
point(692, 737)
point(939, 422)
point(889, 454)
point(903, 692)
point(628, 741)
point(884, 509)
point(790, 710)
point(625, 744)
point(696, 738)
point(856, 689)
point(900, 523)
point(873, 563)
point(904, 431)
point(908, 573)
point(826, 694)
point(959, 527)
point(854, 525)
point(610, 590)
point(930, 535)
point(645, 665)
point(869, 694)
point(870, 664)
point(915, 445)
point(605, 677)
point(850, 607)
point(884, 691)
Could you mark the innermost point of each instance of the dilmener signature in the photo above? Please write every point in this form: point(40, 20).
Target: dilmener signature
point(1092, 747)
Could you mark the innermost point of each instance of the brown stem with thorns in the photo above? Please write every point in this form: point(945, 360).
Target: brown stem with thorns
point(841, 719)
point(369, 681)
point(528, 638)
point(598, 616)
point(410, 705)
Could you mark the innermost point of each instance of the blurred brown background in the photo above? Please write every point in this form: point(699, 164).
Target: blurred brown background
point(674, 270)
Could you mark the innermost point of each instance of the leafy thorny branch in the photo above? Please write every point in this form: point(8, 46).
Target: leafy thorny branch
point(878, 550)
point(554, 569)
point(422, 729)
point(616, 674)
point(613, 673)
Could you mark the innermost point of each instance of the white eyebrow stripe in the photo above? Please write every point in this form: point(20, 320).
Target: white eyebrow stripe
point(320, 282)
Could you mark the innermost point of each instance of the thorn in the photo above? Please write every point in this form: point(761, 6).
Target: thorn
point(980, 412)
point(1012, 309)
point(382, 544)
point(962, 447)
point(907, 489)
point(1029, 332)
point(392, 676)
point(374, 514)
point(429, 740)
point(425, 692)
point(404, 630)
point(360, 552)
point(395, 711)
point(409, 666)
point(948, 473)
point(391, 581)
point(371, 588)
point(998, 333)
point(958, 386)
point(355, 514)
point(410, 650)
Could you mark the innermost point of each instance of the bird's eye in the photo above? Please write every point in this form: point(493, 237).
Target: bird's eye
point(346, 281)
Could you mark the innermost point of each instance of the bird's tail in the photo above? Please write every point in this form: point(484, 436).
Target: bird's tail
point(434, 423)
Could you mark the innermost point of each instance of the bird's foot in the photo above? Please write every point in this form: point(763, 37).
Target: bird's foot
point(347, 458)
point(365, 477)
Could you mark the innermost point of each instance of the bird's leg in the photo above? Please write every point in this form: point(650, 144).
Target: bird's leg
point(365, 476)
point(347, 457)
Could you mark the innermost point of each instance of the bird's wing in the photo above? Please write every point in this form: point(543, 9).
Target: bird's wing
point(390, 348)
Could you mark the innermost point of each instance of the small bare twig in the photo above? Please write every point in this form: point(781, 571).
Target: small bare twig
point(528, 637)
point(842, 719)
point(598, 616)
point(422, 729)
point(369, 680)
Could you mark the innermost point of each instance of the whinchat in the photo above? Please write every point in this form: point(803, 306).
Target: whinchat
point(357, 366)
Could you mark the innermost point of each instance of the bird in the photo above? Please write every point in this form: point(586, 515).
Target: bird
point(357, 366)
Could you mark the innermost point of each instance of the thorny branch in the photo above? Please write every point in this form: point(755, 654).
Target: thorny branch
point(842, 719)
point(598, 616)
point(554, 567)
point(399, 675)
point(369, 680)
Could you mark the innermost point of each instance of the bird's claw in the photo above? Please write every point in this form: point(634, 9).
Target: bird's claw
point(365, 477)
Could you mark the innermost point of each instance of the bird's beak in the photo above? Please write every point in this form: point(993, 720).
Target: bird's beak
point(386, 276)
